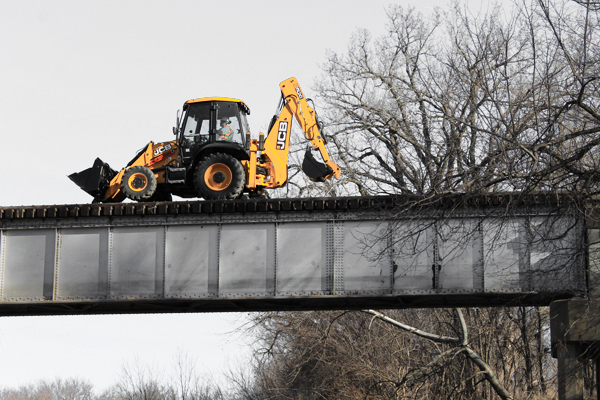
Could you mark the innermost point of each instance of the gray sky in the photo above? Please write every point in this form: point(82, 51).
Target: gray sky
point(87, 79)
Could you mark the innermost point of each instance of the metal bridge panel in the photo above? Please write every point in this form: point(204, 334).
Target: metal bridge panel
point(247, 260)
point(505, 246)
point(191, 256)
point(555, 253)
point(301, 258)
point(536, 253)
point(137, 258)
point(83, 264)
point(458, 254)
point(413, 255)
point(367, 264)
point(29, 265)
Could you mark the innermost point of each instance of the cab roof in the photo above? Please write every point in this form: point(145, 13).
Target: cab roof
point(205, 99)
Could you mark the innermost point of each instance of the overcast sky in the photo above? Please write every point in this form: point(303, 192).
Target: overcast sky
point(87, 79)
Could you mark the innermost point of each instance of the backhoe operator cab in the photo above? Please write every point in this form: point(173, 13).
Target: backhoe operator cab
point(213, 155)
point(211, 139)
point(204, 120)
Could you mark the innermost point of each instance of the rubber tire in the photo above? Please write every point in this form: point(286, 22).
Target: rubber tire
point(138, 194)
point(234, 172)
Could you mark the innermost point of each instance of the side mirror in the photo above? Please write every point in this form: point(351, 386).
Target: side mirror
point(177, 122)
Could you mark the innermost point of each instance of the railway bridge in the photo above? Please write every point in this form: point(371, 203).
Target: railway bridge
point(309, 254)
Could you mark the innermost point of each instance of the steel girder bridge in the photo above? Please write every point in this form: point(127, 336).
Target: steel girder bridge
point(304, 254)
point(311, 254)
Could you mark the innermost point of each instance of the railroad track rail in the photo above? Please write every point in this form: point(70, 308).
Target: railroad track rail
point(276, 205)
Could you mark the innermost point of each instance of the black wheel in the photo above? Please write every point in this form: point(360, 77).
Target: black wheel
point(138, 183)
point(219, 177)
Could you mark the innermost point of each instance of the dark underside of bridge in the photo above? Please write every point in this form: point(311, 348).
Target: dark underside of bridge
point(306, 303)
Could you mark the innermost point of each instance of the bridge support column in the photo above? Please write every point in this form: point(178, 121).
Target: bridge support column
point(575, 335)
point(570, 372)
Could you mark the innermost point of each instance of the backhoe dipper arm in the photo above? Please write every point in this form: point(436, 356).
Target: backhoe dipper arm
point(278, 138)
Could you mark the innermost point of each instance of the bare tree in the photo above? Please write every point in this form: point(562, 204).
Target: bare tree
point(463, 103)
point(462, 346)
point(187, 383)
point(59, 389)
point(449, 103)
point(142, 382)
point(445, 353)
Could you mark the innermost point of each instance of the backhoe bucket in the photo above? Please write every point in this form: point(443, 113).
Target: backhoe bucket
point(94, 180)
point(315, 170)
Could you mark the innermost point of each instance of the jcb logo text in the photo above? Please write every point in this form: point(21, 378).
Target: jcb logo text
point(282, 135)
point(162, 149)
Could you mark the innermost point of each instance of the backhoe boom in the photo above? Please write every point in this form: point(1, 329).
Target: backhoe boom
point(276, 144)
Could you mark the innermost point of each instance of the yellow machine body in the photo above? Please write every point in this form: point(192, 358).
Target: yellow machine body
point(206, 161)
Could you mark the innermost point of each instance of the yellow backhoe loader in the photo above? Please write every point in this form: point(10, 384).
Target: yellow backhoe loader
point(213, 155)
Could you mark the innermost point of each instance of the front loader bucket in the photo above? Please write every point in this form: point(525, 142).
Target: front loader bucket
point(315, 170)
point(94, 180)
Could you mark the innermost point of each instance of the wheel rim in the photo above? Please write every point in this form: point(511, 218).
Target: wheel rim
point(137, 182)
point(218, 177)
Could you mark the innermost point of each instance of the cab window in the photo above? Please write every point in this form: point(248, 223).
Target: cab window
point(197, 123)
point(230, 123)
point(245, 126)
